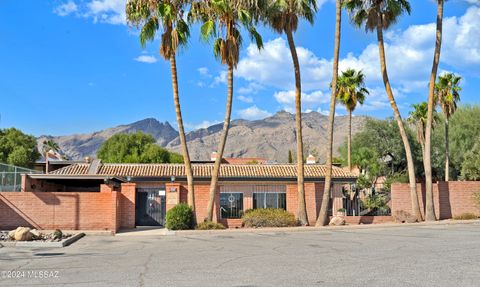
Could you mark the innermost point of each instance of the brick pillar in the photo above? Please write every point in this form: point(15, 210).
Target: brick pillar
point(114, 226)
point(337, 198)
point(127, 205)
point(172, 194)
point(106, 188)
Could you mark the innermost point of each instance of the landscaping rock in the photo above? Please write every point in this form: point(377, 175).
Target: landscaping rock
point(36, 234)
point(23, 234)
point(337, 221)
point(57, 234)
point(11, 234)
point(403, 216)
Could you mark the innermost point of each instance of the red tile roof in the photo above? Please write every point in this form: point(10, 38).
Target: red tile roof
point(266, 171)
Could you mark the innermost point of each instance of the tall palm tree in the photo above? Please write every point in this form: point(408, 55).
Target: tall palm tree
point(418, 117)
point(150, 15)
point(379, 15)
point(351, 91)
point(427, 155)
point(283, 17)
point(447, 95)
point(49, 146)
point(323, 218)
point(222, 21)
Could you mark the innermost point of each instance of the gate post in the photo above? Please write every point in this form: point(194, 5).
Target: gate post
point(172, 193)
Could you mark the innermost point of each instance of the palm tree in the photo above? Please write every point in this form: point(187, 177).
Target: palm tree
point(150, 15)
point(222, 21)
point(446, 94)
point(283, 17)
point(323, 214)
point(351, 91)
point(49, 146)
point(427, 155)
point(379, 15)
point(418, 117)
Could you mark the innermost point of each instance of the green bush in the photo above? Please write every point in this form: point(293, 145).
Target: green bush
point(207, 225)
point(180, 217)
point(465, 216)
point(268, 217)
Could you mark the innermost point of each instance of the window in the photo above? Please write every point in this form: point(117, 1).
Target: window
point(269, 200)
point(231, 204)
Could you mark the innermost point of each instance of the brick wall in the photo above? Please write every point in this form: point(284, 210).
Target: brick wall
point(64, 210)
point(451, 198)
point(105, 210)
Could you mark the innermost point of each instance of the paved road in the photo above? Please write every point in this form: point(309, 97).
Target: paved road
point(400, 256)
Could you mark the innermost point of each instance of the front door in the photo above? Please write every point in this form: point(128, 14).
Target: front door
point(150, 207)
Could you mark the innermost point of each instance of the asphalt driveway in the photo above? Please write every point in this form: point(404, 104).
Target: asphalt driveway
point(439, 255)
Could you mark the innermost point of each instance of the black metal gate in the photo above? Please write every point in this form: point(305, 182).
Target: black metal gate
point(150, 207)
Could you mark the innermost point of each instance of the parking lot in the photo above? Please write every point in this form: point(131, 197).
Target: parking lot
point(437, 255)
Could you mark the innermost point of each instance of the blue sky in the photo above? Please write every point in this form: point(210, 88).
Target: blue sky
point(74, 66)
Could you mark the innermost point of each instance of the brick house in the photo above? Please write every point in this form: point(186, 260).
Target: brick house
point(140, 194)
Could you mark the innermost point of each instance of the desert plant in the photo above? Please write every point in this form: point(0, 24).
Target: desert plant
point(208, 225)
point(466, 216)
point(180, 217)
point(268, 217)
point(376, 203)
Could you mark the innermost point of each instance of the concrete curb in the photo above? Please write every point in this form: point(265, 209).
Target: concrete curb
point(43, 244)
point(324, 228)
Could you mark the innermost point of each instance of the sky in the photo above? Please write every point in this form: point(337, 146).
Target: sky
point(75, 66)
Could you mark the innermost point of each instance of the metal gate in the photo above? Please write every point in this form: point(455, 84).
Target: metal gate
point(150, 207)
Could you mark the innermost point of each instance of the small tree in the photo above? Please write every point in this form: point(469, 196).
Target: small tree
point(471, 165)
point(135, 148)
point(17, 148)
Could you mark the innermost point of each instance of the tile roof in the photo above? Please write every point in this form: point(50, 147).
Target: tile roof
point(267, 171)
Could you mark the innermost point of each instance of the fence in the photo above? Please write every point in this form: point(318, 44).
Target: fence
point(11, 177)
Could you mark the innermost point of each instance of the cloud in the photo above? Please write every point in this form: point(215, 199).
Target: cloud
point(107, 11)
point(146, 59)
point(245, 99)
point(310, 101)
point(65, 8)
point(203, 71)
point(103, 11)
point(251, 88)
point(220, 79)
point(253, 113)
point(202, 125)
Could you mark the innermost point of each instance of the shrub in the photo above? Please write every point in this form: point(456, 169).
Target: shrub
point(376, 203)
point(207, 225)
point(465, 216)
point(180, 217)
point(268, 217)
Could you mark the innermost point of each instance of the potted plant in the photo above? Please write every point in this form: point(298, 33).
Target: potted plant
point(341, 211)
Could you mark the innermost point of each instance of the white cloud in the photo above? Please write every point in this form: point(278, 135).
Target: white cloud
point(220, 79)
point(310, 101)
point(245, 99)
point(65, 8)
point(251, 88)
point(107, 11)
point(146, 59)
point(253, 113)
point(203, 71)
point(202, 125)
point(103, 11)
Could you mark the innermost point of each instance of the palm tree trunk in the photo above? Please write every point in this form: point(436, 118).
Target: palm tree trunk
point(427, 159)
point(181, 134)
point(323, 218)
point(408, 152)
point(447, 154)
point(302, 207)
point(349, 143)
point(47, 167)
point(221, 146)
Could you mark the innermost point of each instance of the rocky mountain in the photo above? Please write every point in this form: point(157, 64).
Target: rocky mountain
point(270, 138)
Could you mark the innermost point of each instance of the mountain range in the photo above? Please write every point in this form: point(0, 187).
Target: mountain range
point(269, 138)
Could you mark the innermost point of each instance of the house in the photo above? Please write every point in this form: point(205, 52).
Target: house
point(96, 195)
